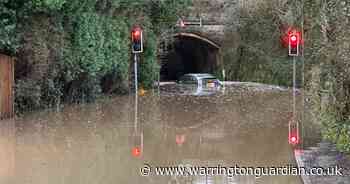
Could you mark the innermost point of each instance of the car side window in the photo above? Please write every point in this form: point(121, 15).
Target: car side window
point(183, 79)
point(193, 80)
point(188, 80)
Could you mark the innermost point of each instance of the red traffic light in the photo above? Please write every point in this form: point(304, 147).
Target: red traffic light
point(293, 140)
point(294, 39)
point(136, 34)
point(291, 35)
point(136, 38)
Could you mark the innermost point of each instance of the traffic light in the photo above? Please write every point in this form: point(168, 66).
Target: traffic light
point(136, 38)
point(294, 43)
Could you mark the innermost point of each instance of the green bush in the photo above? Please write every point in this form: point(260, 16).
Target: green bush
point(336, 130)
point(47, 5)
point(149, 67)
point(80, 48)
point(9, 39)
point(98, 48)
point(27, 95)
point(257, 53)
point(327, 55)
point(166, 12)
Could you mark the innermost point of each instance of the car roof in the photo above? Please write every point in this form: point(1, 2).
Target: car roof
point(200, 75)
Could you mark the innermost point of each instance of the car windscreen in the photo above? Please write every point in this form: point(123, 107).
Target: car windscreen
point(212, 79)
point(206, 81)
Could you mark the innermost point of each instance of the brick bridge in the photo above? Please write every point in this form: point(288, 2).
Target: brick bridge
point(198, 38)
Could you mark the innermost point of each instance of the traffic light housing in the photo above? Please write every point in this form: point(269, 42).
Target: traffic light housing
point(294, 43)
point(136, 39)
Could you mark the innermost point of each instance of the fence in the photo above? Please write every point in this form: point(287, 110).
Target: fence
point(6, 86)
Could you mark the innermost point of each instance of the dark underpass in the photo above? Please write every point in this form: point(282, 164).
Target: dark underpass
point(189, 55)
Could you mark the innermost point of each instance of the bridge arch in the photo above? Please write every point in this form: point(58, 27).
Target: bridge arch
point(197, 36)
point(189, 53)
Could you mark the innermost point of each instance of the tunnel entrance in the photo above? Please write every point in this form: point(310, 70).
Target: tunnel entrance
point(188, 54)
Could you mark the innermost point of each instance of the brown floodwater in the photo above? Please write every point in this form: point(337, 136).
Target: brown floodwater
point(108, 142)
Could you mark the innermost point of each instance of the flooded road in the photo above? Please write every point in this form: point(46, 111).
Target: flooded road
point(103, 143)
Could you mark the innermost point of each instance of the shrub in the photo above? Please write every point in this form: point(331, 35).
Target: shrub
point(98, 48)
point(85, 42)
point(9, 39)
point(149, 68)
point(336, 130)
point(27, 95)
point(47, 5)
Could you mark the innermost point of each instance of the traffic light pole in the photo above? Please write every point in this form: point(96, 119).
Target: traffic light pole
point(136, 90)
point(135, 73)
point(294, 86)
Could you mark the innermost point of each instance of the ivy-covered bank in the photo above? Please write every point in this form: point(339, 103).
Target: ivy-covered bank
point(257, 54)
point(328, 68)
point(76, 50)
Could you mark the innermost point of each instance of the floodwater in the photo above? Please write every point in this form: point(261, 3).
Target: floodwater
point(108, 142)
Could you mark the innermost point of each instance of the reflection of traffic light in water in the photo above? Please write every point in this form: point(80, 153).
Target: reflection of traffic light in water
point(137, 149)
point(137, 136)
point(293, 135)
point(180, 139)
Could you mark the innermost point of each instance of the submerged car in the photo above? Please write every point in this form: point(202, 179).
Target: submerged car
point(199, 84)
